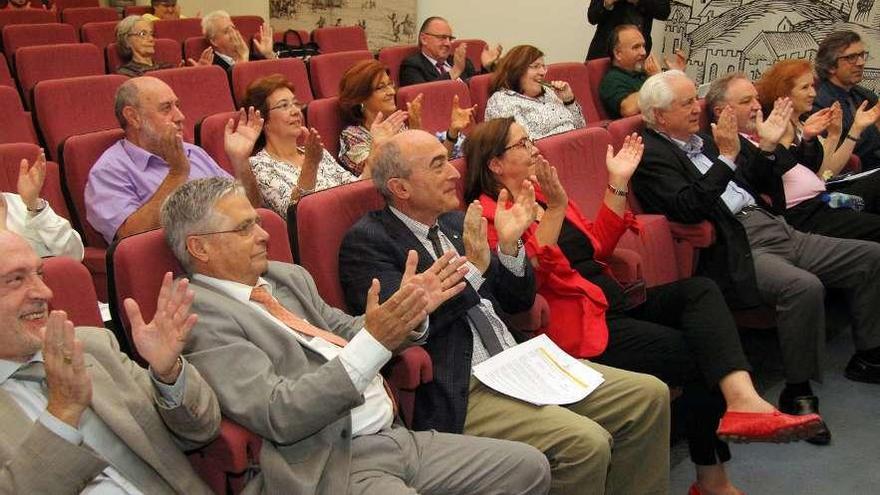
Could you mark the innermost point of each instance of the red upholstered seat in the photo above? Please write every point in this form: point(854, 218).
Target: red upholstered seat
point(135, 10)
point(327, 69)
point(248, 25)
point(211, 137)
point(323, 115)
point(26, 16)
point(436, 103)
point(21, 35)
point(340, 39)
point(293, 69)
point(202, 91)
point(78, 16)
point(167, 51)
point(18, 127)
point(178, 29)
point(576, 75)
point(194, 46)
point(99, 34)
point(42, 63)
point(72, 290)
point(5, 76)
point(62, 5)
point(393, 56)
point(479, 89)
point(597, 69)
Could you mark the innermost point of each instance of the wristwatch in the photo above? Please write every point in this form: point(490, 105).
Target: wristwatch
point(41, 205)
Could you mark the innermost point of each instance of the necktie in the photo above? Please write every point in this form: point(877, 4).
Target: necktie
point(441, 67)
point(478, 318)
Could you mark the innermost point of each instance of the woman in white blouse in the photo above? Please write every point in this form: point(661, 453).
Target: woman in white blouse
point(519, 90)
point(286, 171)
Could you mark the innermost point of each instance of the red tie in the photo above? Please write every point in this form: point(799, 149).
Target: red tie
point(441, 67)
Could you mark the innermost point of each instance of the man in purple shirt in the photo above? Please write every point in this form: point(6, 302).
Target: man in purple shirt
point(130, 181)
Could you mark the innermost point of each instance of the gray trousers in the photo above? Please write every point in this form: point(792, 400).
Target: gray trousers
point(793, 268)
point(399, 461)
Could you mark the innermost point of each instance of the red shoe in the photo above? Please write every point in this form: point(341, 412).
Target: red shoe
point(767, 427)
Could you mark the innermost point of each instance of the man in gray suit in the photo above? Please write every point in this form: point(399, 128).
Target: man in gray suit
point(75, 413)
point(304, 376)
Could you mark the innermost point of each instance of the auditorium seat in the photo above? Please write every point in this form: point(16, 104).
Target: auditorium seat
point(167, 51)
point(72, 291)
point(340, 39)
point(596, 70)
point(393, 56)
point(5, 76)
point(79, 16)
point(323, 115)
point(436, 103)
point(576, 75)
point(178, 29)
point(135, 10)
point(67, 107)
point(211, 137)
point(294, 69)
point(99, 34)
point(326, 70)
point(26, 16)
point(474, 51)
point(202, 91)
point(62, 5)
point(294, 37)
point(18, 126)
point(42, 63)
point(22, 35)
point(479, 89)
point(194, 46)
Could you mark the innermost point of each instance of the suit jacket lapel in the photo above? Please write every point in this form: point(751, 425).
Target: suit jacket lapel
point(405, 238)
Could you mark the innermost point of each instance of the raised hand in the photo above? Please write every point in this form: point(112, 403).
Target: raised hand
point(206, 58)
point(414, 110)
point(622, 165)
point(161, 341)
point(240, 135)
point(678, 61)
point(264, 40)
point(459, 61)
point(864, 117)
point(382, 129)
point(771, 130)
point(391, 322)
point(460, 117)
point(651, 65)
point(511, 221)
point(441, 281)
point(563, 91)
point(490, 55)
point(30, 180)
point(817, 123)
point(726, 134)
point(170, 149)
point(475, 237)
point(548, 179)
point(242, 52)
point(68, 383)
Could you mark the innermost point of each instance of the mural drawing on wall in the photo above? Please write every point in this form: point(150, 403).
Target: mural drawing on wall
point(722, 36)
point(387, 22)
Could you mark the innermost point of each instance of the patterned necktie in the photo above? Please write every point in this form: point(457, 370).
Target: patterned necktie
point(441, 67)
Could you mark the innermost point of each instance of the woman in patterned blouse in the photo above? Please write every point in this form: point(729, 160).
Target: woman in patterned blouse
point(286, 171)
point(519, 90)
point(369, 112)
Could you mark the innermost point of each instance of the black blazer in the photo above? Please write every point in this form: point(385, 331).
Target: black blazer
point(218, 60)
point(667, 182)
point(417, 69)
point(376, 247)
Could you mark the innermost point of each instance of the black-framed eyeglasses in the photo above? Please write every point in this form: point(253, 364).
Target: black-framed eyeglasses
point(243, 230)
point(525, 142)
point(286, 105)
point(442, 37)
point(854, 57)
point(144, 33)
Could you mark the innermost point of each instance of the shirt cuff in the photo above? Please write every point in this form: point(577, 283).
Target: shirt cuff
point(362, 359)
point(60, 428)
point(171, 396)
point(515, 264)
point(473, 276)
point(728, 162)
point(420, 335)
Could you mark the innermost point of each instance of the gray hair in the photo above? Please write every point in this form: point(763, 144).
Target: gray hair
point(657, 94)
point(190, 209)
point(208, 22)
point(388, 163)
point(123, 29)
point(717, 95)
point(126, 96)
point(831, 48)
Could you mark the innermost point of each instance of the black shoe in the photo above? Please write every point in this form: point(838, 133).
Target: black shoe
point(807, 404)
point(860, 370)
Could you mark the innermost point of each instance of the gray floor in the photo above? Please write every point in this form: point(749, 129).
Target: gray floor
point(850, 465)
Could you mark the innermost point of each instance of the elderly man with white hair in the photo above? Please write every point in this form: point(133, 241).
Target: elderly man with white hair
point(757, 257)
point(229, 46)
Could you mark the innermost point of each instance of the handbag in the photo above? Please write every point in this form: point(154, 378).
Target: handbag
point(292, 46)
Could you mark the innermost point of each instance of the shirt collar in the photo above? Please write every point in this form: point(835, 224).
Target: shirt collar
point(238, 291)
point(142, 158)
point(692, 147)
point(432, 60)
point(226, 58)
point(7, 368)
point(415, 226)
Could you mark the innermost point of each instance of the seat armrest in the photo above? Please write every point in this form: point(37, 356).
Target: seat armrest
point(699, 235)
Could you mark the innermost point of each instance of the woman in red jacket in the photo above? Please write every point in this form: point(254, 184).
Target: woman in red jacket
point(682, 332)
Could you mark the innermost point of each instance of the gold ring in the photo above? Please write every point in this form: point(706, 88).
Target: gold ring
point(68, 360)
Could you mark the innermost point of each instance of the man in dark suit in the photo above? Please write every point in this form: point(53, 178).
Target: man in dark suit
point(629, 410)
point(435, 60)
point(305, 376)
point(757, 257)
point(229, 46)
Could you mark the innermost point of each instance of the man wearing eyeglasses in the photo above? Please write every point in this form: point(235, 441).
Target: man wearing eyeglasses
point(131, 179)
point(229, 46)
point(438, 61)
point(840, 63)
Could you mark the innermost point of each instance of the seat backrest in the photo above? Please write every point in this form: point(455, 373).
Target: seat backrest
point(26, 16)
point(22, 35)
point(321, 221)
point(575, 74)
point(167, 51)
point(135, 10)
point(202, 91)
point(178, 29)
point(43, 63)
point(62, 5)
point(66, 107)
point(474, 51)
point(211, 138)
point(596, 70)
point(72, 290)
point(323, 115)
point(326, 70)
point(10, 160)
point(393, 56)
point(622, 128)
point(18, 126)
point(437, 101)
point(99, 34)
point(294, 69)
point(137, 264)
point(5, 76)
point(78, 16)
point(340, 39)
point(291, 39)
point(194, 46)
point(248, 25)
point(479, 89)
point(80, 153)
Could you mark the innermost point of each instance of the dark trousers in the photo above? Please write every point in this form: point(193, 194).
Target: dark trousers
point(684, 335)
point(816, 217)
